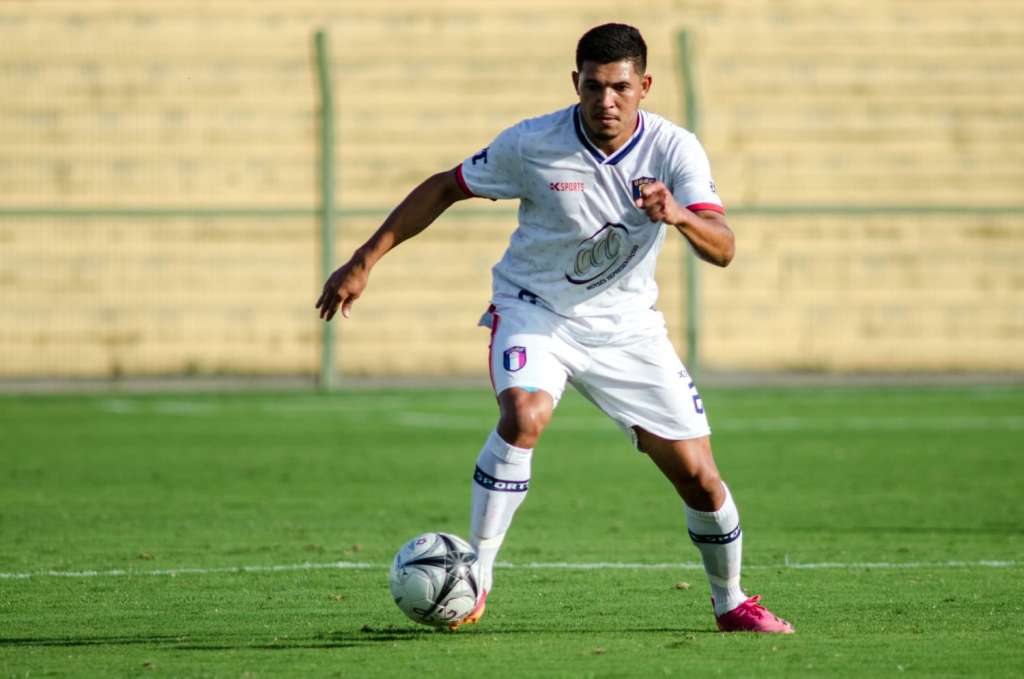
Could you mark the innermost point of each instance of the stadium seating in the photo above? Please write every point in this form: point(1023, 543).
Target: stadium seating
point(837, 132)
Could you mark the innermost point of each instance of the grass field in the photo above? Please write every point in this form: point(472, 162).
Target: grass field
point(247, 535)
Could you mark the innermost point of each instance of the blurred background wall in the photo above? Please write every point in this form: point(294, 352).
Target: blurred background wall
point(159, 178)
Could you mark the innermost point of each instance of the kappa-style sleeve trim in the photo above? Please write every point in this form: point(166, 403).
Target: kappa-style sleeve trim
point(706, 206)
point(462, 182)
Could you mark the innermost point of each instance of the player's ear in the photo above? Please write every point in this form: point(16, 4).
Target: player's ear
point(576, 81)
point(645, 84)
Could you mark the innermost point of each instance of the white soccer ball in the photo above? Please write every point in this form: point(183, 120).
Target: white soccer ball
point(435, 579)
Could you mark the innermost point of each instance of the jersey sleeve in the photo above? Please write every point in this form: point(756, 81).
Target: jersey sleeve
point(495, 171)
point(692, 184)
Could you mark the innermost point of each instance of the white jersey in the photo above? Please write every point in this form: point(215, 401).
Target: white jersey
point(582, 247)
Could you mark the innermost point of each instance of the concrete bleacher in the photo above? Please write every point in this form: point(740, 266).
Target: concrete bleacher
point(149, 104)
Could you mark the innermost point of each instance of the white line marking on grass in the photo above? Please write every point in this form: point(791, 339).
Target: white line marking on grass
point(360, 565)
point(420, 419)
point(909, 565)
point(953, 423)
point(119, 572)
point(169, 406)
point(432, 420)
point(165, 407)
point(831, 565)
point(118, 406)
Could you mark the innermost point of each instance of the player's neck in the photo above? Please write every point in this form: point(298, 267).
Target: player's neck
point(610, 146)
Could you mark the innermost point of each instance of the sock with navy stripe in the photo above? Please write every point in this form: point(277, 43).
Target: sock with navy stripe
point(718, 536)
point(500, 482)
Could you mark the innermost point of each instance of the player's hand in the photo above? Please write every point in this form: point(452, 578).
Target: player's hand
point(342, 288)
point(659, 203)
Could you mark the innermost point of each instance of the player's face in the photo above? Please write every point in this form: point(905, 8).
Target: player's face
point(609, 97)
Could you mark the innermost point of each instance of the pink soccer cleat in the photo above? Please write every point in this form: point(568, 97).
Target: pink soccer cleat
point(474, 615)
point(751, 616)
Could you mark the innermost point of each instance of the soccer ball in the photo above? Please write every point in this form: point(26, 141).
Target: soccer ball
point(434, 579)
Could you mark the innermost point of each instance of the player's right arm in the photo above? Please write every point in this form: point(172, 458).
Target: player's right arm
point(414, 214)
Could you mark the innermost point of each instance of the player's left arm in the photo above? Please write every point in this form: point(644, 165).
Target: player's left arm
point(707, 230)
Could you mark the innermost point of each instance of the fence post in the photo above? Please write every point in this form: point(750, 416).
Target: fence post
point(692, 273)
point(326, 210)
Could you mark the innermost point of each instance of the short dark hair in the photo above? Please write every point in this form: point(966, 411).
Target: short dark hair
point(609, 43)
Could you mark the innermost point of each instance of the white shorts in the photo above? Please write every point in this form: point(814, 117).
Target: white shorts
point(626, 366)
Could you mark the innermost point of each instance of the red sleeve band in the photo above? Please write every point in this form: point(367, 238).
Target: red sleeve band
point(714, 207)
point(462, 182)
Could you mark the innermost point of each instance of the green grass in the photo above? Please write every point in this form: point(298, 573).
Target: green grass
point(854, 476)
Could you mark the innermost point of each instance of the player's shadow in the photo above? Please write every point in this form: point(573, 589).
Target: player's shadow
point(387, 634)
point(366, 636)
point(583, 630)
point(147, 639)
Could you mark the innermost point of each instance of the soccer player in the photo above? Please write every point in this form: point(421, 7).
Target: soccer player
point(599, 183)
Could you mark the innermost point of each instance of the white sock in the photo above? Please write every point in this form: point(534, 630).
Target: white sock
point(718, 537)
point(500, 482)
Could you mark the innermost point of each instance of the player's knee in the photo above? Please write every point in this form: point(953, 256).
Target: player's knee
point(700, 488)
point(696, 474)
point(689, 466)
point(524, 426)
point(524, 415)
point(708, 480)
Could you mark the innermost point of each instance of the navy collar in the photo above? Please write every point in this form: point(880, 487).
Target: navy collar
point(597, 153)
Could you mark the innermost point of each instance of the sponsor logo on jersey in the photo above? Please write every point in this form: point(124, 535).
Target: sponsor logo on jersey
point(639, 183)
point(514, 358)
point(482, 156)
point(601, 257)
point(566, 186)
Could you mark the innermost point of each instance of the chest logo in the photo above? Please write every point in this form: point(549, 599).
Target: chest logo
point(566, 186)
point(601, 257)
point(639, 183)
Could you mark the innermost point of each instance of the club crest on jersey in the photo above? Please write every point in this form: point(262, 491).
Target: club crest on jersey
point(639, 183)
point(515, 358)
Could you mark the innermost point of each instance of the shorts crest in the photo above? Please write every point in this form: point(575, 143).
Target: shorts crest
point(514, 358)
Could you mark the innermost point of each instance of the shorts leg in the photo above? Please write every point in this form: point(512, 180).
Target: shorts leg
point(524, 351)
point(644, 384)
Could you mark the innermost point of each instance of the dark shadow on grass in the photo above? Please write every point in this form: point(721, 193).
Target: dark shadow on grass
point(262, 647)
point(217, 642)
point(180, 642)
point(403, 633)
point(93, 641)
point(371, 634)
point(364, 637)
